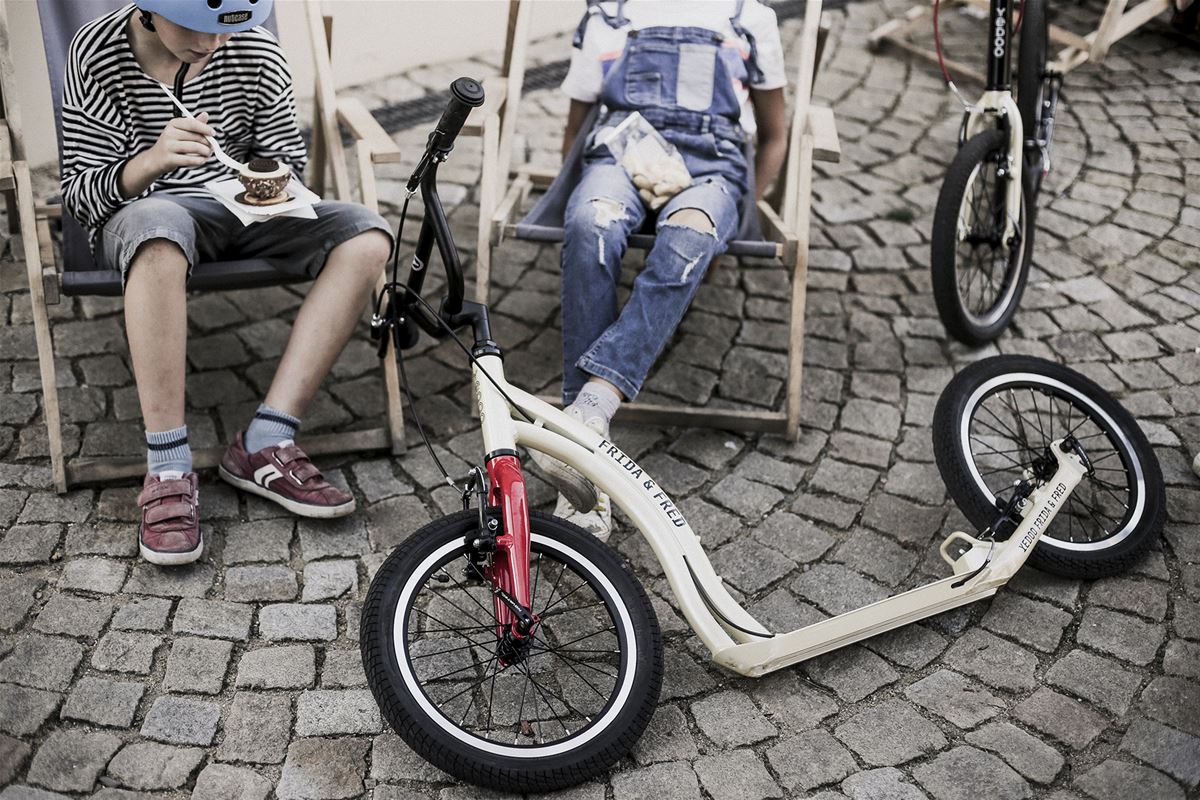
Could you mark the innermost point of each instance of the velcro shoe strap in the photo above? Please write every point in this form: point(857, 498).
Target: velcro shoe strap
point(166, 511)
point(305, 471)
point(163, 489)
point(286, 455)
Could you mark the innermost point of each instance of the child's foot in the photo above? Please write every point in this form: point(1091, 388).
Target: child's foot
point(169, 533)
point(597, 522)
point(577, 489)
point(284, 474)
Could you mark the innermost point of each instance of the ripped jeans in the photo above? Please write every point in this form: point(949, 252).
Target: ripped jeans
point(603, 211)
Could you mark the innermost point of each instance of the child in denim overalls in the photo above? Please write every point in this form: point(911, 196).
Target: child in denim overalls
point(691, 69)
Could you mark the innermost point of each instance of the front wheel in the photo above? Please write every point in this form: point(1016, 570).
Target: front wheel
point(544, 713)
point(979, 276)
point(994, 424)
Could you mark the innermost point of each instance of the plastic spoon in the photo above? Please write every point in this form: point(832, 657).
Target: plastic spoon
point(236, 166)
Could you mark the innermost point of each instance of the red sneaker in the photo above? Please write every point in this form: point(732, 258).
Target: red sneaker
point(285, 475)
point(170, 529)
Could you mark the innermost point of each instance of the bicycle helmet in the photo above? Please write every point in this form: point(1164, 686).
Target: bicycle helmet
point(211, 16)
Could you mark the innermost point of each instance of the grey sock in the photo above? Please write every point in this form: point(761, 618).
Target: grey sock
point(269, 427)
point(597, 400)
point(168, 451)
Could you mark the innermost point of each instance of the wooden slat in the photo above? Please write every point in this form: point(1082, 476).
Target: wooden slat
point(776, 231)
point(799, 288)
point(688, 416)
point(325, 101)
point(9, 110)
point(806, 70)
point(1125, 24)
point(1064, 36)
point(900, 26)
point(41, 322)
point(48, 211)
point(100, 470)
point(494, 92)
point(823, 126)
point(367, 131)
point(500, 220)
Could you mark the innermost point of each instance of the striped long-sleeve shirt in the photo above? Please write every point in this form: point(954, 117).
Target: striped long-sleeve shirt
point(112, 110)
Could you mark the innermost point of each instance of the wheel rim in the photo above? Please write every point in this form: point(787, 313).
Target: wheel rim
point(567, 689)
point(986, 268)
point(1005, 427)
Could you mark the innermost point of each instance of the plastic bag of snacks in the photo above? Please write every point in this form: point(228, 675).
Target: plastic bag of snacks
point(653, 163)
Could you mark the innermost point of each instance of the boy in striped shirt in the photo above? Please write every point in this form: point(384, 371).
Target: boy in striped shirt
point(134, 175)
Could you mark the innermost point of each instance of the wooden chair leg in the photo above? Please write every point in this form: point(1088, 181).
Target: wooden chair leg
point(41, 323)
point(488, 181)
point(799, 286)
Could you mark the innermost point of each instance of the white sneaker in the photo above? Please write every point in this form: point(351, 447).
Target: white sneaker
point(578, 490)
point(1196, 465)
point(597, 522)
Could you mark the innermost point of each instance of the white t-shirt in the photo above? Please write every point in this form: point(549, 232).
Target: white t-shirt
point(603, 45)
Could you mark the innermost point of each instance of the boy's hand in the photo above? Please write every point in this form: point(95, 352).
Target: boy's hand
point(182, 144)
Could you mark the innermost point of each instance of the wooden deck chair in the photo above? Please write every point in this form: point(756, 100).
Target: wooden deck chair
point(79, 274)
point(778, 231)
point(1117, 22)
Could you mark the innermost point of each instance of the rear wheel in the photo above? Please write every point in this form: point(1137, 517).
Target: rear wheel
point(978, 275)
point(534, 715)
point(996, 419)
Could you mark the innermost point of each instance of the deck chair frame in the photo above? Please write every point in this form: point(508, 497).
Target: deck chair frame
point(371, 145)
point(812, 136)
point(1117, 22)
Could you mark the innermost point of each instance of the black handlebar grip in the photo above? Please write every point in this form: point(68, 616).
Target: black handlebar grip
point(465, 94)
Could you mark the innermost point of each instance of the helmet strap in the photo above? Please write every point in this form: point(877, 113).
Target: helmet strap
point(146, 20)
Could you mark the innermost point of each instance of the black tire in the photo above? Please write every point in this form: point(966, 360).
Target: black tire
point(1028, 403)
point(1031, 66)
point(978, 322)
point(485, 756)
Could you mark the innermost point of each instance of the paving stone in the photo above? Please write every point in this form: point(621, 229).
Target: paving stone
point(1116, 780)
point(846, 480)
point(71, 760)
point(41, 662)
point(102, 539)
point(1028, 755)
point(878, 784)
point(890, 733)
point(322, 712)
point(666, 738)
point(73, 616)
point(390, 521)
point(19, 593)
point(1183, 659)
point(1174, 752)
point(279, 667)
point(750, 566)
point(258, 729)
point(807, 760)
point(953, 697)
point(1069, 721)
point(342, 669)
point(29, 544)
point(225, 782)
point(197, 665)
point(791, 703)
point(748, 499)
point(836, 589)
point(730, 719)
point(119, 651)
point(260, 583)
point(1121, 635)
point(994, 661)
point(146, 765)
point(100, 575)
point(1173, 701)
point(177, 720)
point(23, 710)
point(326, 538)
point(852, 672)
point(262, 541)
point(876, 556)
point(965, 772)
point(295, 621)
point(911, 646)
point(881, 420)
point(795, 537)
point(104, 702)
point(213, 619)
point(329, 580)
point(736, 775)
point(13, 755)
point(192, 580)
point(323, 769)
point(1095, 679)
point(1038, 625)
point(394, 761)
point(902, 519)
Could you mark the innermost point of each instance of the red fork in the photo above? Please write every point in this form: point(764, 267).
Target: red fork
point(510, 562)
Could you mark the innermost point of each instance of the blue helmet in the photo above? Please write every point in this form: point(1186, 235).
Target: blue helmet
point(211, 16)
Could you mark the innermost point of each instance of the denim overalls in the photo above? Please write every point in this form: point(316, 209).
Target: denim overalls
point(681, 81)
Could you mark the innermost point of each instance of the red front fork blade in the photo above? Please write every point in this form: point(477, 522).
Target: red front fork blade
point(510, 562)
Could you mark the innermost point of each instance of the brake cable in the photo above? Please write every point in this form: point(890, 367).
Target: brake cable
point(941, 56)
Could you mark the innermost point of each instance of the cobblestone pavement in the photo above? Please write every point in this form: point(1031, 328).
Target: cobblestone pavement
point(240, 677)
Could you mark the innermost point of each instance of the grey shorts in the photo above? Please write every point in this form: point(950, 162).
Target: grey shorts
point(206, 231)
